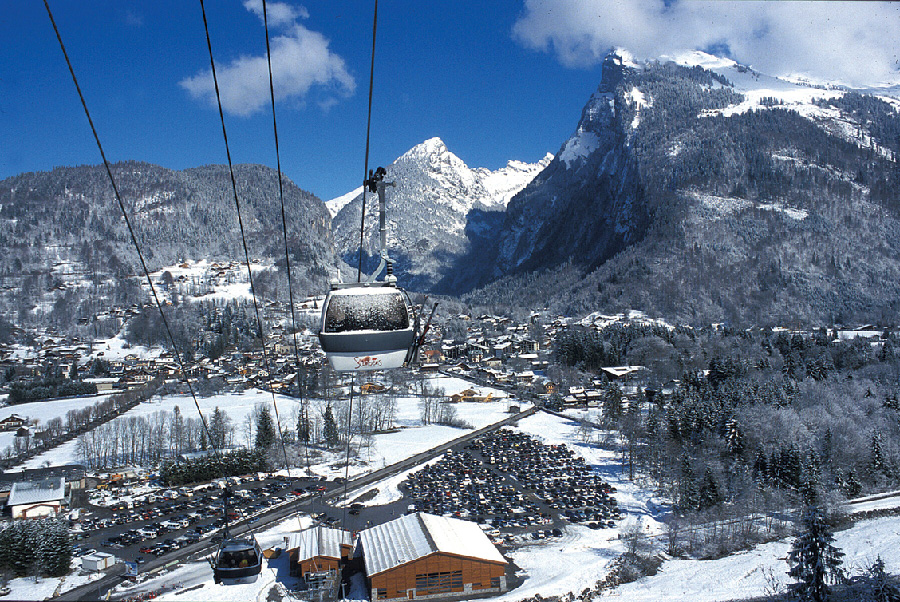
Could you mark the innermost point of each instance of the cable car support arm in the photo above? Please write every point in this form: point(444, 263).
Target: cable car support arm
point(376, 183)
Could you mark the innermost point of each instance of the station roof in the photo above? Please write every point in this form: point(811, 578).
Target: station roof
point(34, 492)
point(415, 536)
point(319, 541)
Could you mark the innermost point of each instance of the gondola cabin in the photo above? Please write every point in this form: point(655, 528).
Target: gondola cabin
point(239, 560)
point(366, 327)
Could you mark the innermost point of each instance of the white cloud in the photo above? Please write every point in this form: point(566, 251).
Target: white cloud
point(277, 13)
point(854, 42)
point(301, 60)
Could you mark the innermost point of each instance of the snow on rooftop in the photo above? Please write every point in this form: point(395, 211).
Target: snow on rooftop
point(460, 537)
point(318, 541)
point(415, 536)
point(33, 492)
point(633, 316)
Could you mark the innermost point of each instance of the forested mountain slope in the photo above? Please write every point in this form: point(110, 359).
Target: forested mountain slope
point(693, 189)
point(65, 243)
point(689, 196)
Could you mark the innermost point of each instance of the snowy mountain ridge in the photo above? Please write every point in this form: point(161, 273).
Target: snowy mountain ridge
point(491, 188)
point(696, 186)
point(335, 205)
point(430, 210)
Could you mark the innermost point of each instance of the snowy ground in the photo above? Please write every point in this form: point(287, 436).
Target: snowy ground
point(28, 589)
point(581, 557)
point(747, 574)
point(411, 438)
point(43, 411)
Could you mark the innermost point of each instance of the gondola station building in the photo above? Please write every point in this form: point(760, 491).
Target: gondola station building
point(318, 550)
point(423, 556)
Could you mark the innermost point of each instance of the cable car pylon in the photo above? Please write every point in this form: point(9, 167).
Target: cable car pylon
point(369, 325)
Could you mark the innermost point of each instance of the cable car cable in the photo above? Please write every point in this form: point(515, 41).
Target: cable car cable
point(245, 566)
point(366, 174)
point(287, 259)
point(134, 240)
point(347, 460)
point(237, 204)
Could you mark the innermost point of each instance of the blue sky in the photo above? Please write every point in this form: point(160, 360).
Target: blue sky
point(495, 80)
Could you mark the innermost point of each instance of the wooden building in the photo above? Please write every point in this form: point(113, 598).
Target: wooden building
point(318, 550)
point(423, 556)
point(12, 423)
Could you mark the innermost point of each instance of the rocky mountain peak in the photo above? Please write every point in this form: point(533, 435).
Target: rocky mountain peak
point(429, 209)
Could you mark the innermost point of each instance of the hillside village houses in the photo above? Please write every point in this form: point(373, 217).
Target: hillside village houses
point(497, 351)
point(246, 368)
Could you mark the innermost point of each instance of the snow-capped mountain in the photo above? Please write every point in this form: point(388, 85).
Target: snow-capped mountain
point(697, 188)
point(430, 210)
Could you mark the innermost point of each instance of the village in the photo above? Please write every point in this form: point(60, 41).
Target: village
point(492, 361)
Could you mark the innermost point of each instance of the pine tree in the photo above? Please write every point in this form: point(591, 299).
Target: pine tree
point(177, 429)
point(303, 428)
point(329, 427)
point(56, 548)
point(709, 491)
point(23, 552)
point(612, 404)
point(882, 590)
point(854, 487)
point(688, 496)
point(813, 559)
point(810, 480)
point(827, 446)
point(6, 549)
point(218, 428)
point(876, 459)
point(265, 429)
point(734, 437)
point(760, 467)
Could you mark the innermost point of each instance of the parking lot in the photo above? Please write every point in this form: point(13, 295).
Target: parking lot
point(514, 486)
point(136, 527)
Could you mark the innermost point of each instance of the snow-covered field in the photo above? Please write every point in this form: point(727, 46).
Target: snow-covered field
point(745, 575)
point(411, 438)
point(43, 411)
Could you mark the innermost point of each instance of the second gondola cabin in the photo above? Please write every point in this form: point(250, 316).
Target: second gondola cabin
point(239, 560)
point(366, 327)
